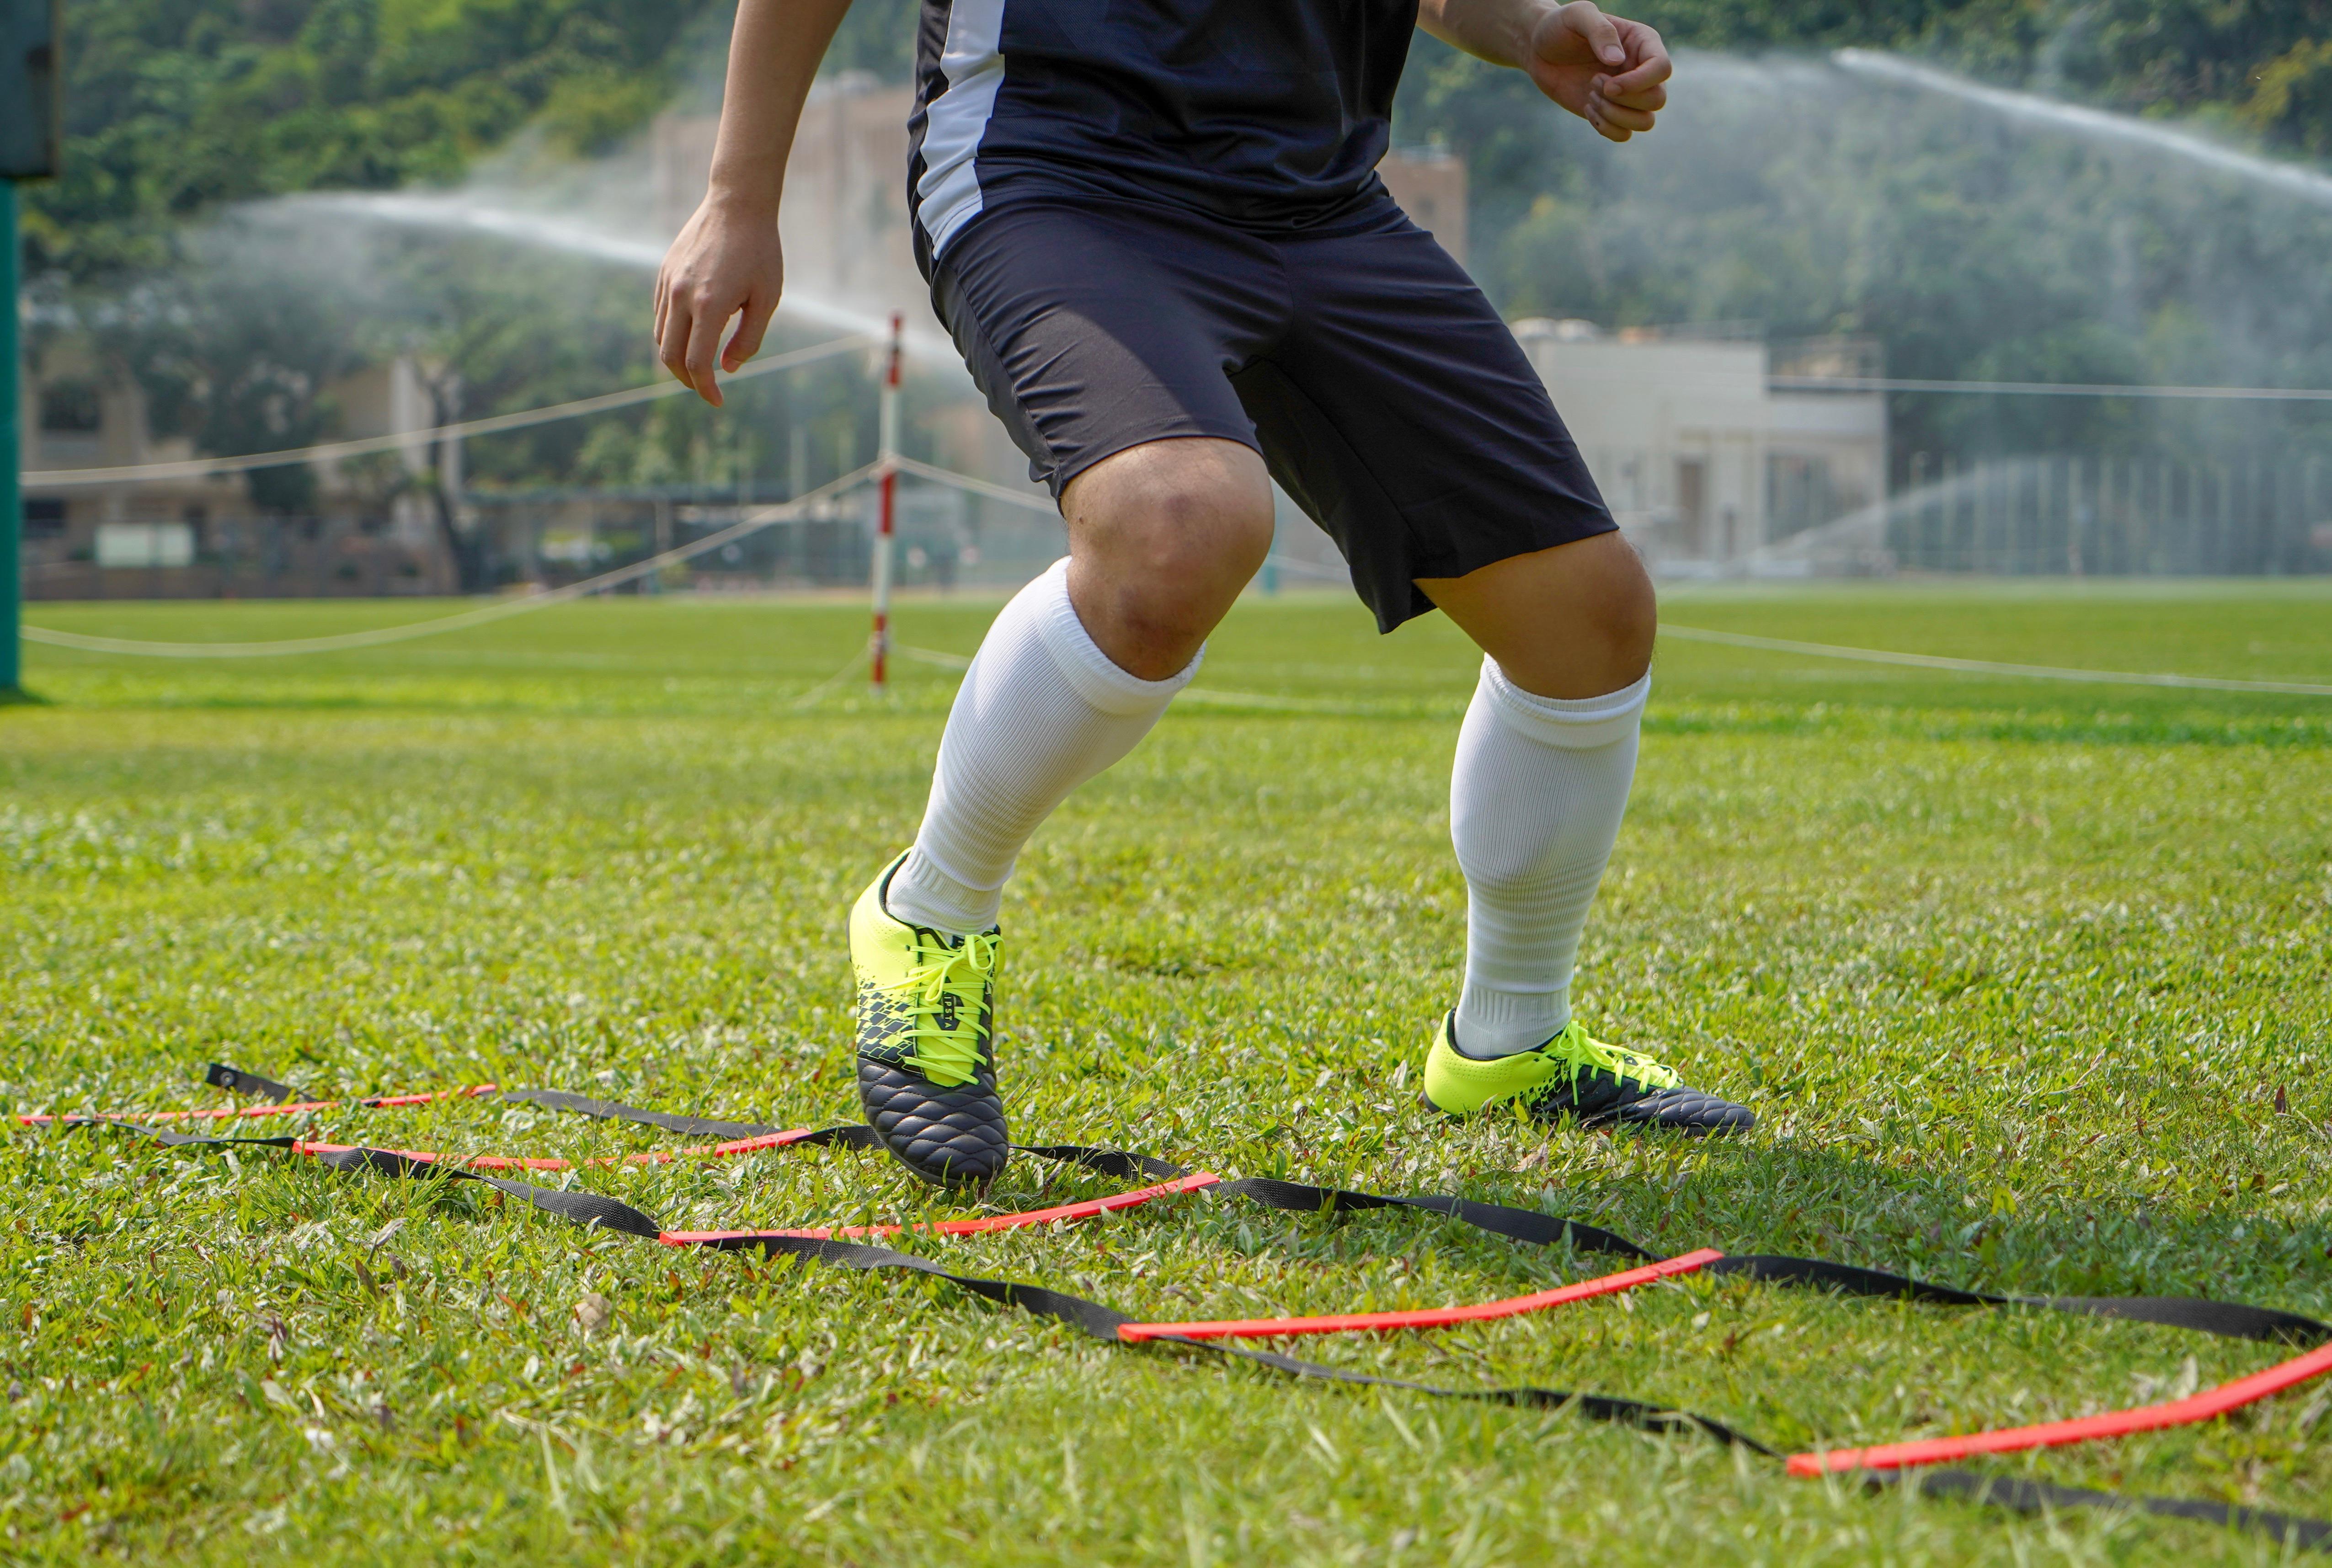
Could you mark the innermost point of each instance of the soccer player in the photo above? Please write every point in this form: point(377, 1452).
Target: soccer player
point(1155, 230)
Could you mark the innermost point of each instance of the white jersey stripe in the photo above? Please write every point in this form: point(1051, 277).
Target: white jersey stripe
point(948, 196)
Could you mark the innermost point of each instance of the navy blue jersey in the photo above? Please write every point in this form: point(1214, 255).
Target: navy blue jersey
point(1269, 114)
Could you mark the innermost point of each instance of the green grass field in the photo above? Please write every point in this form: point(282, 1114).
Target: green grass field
point(2030, 984)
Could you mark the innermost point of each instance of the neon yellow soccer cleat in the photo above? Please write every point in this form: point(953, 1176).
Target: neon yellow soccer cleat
point(926, 1063)
point(1574, 1074)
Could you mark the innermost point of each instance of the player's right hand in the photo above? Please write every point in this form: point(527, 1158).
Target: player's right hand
point(1606, 69)
point(726, 262)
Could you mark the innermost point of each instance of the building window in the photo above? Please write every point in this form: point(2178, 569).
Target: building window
point(45, 516)
point(71, 408)
point(145, 544)
point(1798, 495)
point(1691, 504)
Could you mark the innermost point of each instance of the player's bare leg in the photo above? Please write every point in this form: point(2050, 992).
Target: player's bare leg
point(1571, 622)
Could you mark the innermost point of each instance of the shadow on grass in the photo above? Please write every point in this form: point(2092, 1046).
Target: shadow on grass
point(1937, 1225)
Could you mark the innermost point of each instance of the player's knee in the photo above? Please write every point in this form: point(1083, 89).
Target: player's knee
point(1205, 533)
point(1167, 535)
point(1183, 515)
point(1575, 621)
point(1191, 543)
point(1628, 619)
point(1614, 617)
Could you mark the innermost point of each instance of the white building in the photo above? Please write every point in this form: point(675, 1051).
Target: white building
point(373, 530)
point(1708, 466)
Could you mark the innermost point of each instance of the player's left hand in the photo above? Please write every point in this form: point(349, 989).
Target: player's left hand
point(1606, 69)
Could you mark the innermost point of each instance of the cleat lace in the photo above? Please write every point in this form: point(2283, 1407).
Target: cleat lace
point(942, 992)
point(1580, 1052)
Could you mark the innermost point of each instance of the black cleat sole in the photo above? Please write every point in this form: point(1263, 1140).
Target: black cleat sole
point(1695, 1112)
point(949, 1137)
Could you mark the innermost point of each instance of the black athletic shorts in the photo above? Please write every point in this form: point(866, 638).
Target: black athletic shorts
point(1385, 393)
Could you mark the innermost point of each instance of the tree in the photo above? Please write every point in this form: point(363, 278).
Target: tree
point(176, 106)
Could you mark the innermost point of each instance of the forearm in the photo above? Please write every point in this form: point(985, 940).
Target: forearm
point(1498, 31)
point(773, 57)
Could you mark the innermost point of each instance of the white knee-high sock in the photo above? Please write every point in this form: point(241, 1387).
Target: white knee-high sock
point(1535, 807)
point(1041, 711)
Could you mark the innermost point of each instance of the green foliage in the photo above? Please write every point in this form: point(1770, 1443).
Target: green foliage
point(240, 354)
point(1962, 250)
point(2264, 59)
point(2028, 983)
point(239, 345)
point(588, 114)
point(175, 106)
point(1764, 24)
point(234, 326)
point(2292, 102)
point(877, 36)
point(1974, 252)
point(2170, 55)
point(1807, 200)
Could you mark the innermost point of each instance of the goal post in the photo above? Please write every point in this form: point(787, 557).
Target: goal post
point(30, 131)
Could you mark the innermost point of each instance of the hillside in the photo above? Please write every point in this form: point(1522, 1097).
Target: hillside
point(1969, 252)
point(177, 106)
point(174, 107)
point(2264, 67)
point(2257, 70)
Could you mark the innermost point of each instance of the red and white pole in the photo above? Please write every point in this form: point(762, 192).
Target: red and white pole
point(886, 458)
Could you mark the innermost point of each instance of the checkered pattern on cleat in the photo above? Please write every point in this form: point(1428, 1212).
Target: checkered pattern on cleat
point(1687, 1111)
point(952, 1136)
point(882, 1027)
point(1596, 1096)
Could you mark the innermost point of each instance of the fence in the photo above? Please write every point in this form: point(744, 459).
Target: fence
point(2056, 515)
point(946, 539)
point(241, 558)
point(2078, 515)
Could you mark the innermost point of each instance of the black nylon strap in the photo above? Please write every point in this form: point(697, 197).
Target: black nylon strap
point(1114, 1163)
point(1089, 1317)
point(848, 1135)
point(584, 1208)
point(243, 1080)
point(236, 1081)
point(2028, 1496)
point(1519, 1224)
point(2230, 1319)
point(1649, 1417)
point(173, 1139)
point(588, 1208)
point(1101, 1322)
point(1294, 1197)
